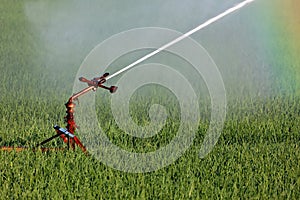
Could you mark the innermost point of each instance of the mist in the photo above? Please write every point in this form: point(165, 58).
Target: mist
point(69, 30)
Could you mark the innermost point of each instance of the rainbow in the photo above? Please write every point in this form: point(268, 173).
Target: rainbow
point(286, 22)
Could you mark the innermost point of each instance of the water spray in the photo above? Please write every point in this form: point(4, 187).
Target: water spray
point(67, 134)
point(187, 34)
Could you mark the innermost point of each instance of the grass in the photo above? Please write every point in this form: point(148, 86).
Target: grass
point(256, 157)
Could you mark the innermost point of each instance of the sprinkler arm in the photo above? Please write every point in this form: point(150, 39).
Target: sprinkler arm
point(93, 85)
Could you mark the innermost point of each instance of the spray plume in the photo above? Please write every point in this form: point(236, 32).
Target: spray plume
point(189, 33)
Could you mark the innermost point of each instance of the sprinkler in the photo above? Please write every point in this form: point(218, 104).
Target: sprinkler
point(68, 133)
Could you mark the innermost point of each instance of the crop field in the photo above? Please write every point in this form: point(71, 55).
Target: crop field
point(256, 157)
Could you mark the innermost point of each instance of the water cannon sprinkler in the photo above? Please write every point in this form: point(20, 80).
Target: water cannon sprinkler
point(67, 134)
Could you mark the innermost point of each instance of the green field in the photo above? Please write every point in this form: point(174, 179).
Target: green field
point(256, 157)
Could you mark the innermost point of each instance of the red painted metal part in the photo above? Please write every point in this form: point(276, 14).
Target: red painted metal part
point(71, 125)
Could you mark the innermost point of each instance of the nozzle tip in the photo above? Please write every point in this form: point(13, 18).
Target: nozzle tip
point(113, 89)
